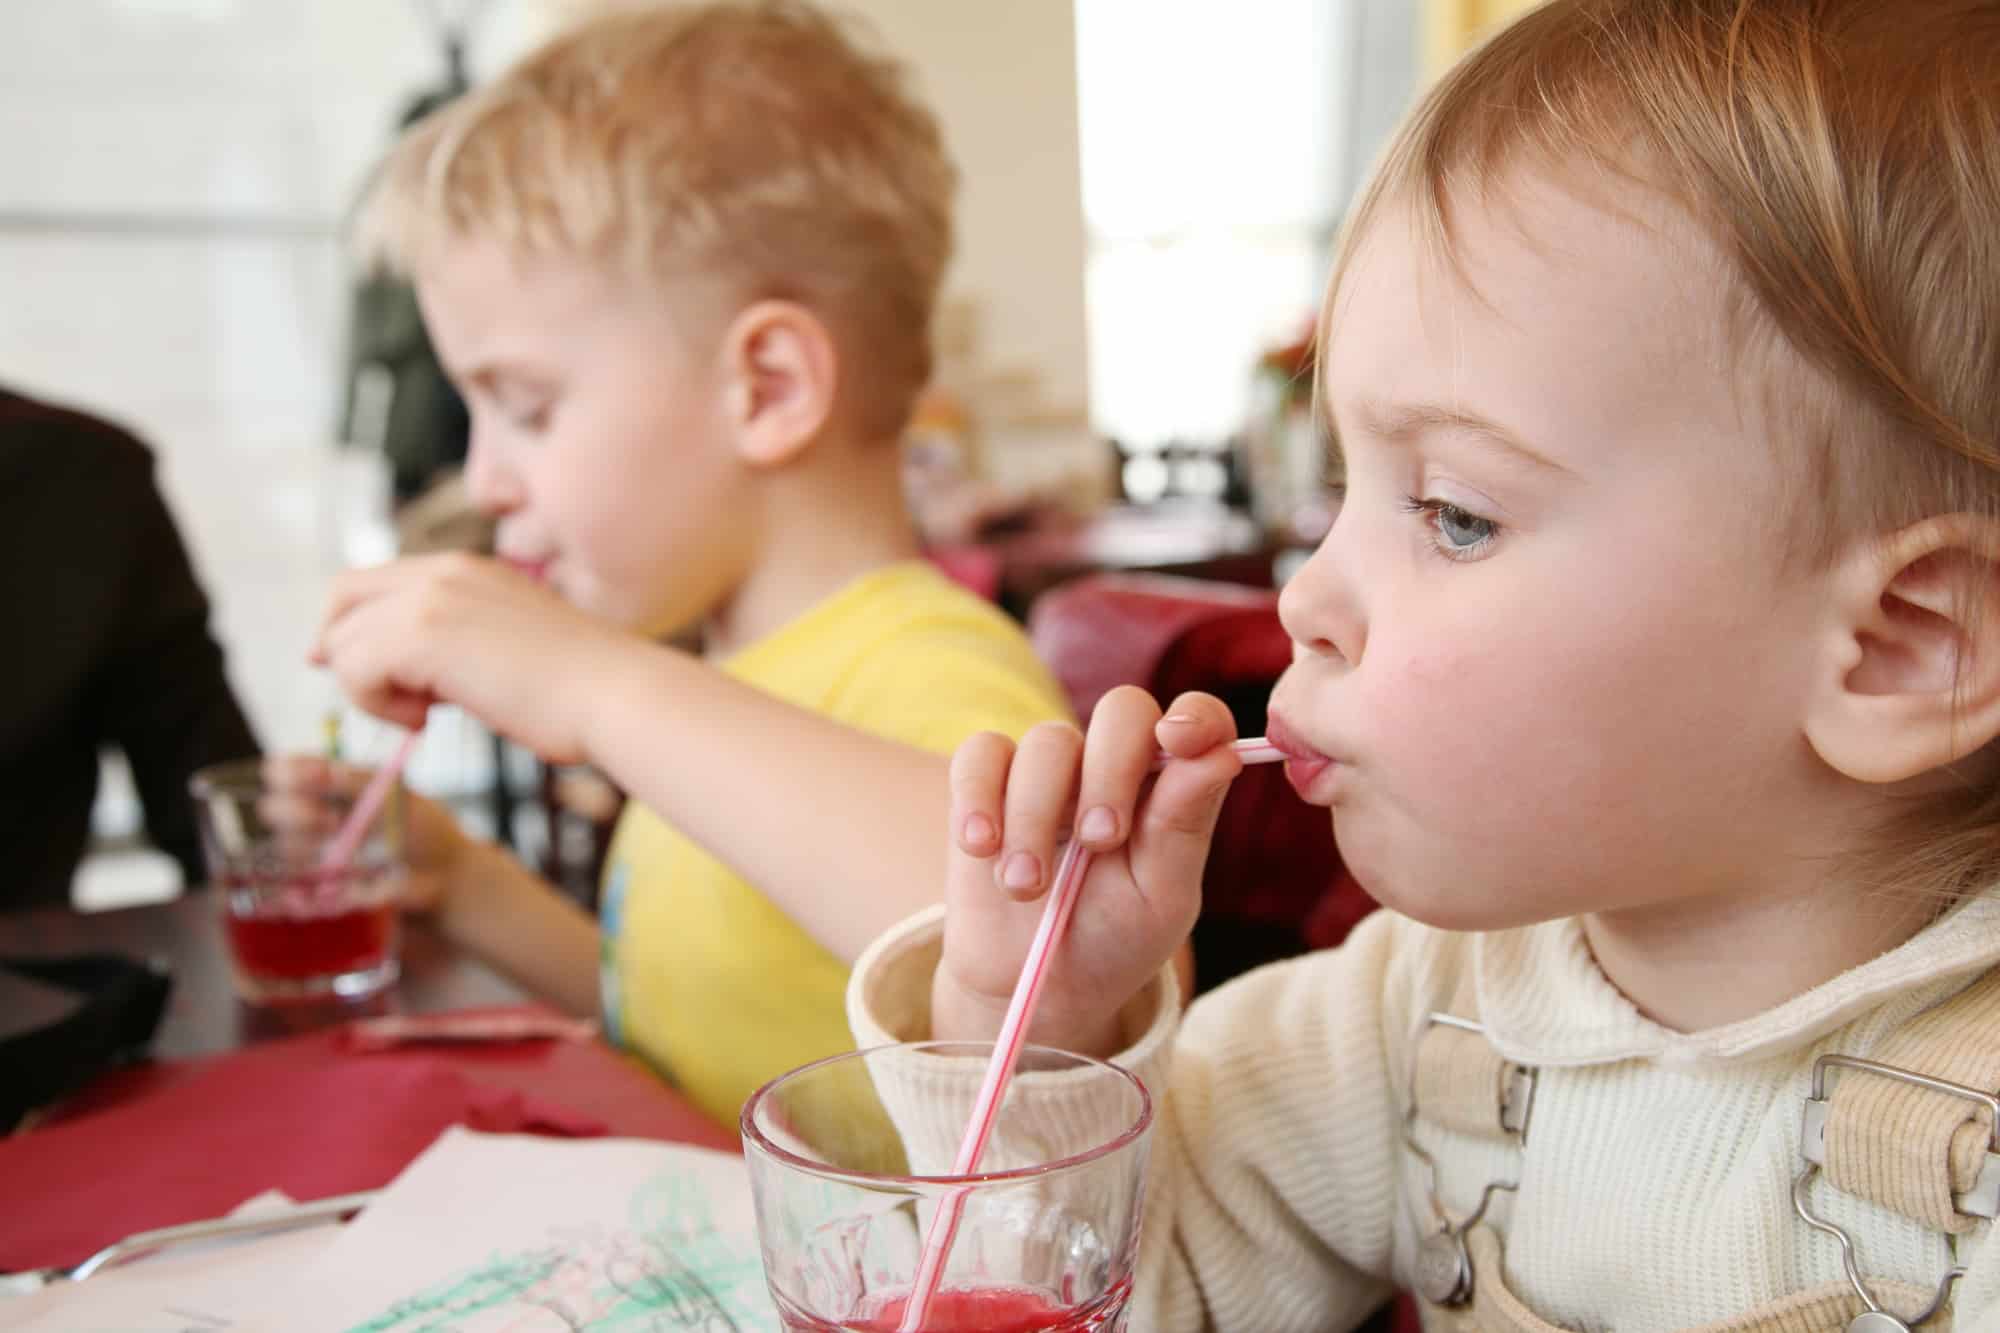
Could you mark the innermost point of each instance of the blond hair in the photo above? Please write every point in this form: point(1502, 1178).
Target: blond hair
point(1842, 158)
point(757, 142)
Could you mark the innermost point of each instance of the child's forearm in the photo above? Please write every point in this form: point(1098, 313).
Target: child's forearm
point(843, 831)
point(519, 922)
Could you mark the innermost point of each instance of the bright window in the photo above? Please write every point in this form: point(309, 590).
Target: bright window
point(1219, 146)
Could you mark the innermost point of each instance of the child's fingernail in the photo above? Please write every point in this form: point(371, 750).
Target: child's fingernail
point(978, 831)
point(1099, 825)
point(1021, 871)
point(1179, 719)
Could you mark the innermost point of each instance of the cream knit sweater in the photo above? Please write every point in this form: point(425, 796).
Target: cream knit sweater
point(1655, 1185)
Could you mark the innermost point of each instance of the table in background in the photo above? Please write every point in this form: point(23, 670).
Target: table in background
point(205, 1018)
point(203, 1015)
point(241, 1099)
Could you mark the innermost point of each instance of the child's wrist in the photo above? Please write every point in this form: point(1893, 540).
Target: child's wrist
point(611, 685)
point(469, 863)
point(958, 1014)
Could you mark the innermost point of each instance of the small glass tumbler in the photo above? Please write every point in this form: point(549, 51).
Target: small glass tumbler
point(847, 1159)
point(298, 929)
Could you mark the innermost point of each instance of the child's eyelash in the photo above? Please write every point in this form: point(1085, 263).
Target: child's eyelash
point(1441, 512)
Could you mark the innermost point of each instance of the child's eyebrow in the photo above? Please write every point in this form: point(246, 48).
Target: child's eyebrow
point(490, 375)
point(1401, 423)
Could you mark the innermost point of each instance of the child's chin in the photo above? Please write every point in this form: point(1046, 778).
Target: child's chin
point(1452, 907)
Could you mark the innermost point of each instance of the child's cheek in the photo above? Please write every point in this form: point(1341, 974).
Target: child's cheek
point(1470, 730)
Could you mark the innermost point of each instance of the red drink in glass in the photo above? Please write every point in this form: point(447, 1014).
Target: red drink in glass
point(983, 1310)
point(307, 931)
point(299, 926)
point(1048, 1231)
point(300, 936)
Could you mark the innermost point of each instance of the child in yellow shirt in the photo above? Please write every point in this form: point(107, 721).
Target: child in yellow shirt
point(682, 262)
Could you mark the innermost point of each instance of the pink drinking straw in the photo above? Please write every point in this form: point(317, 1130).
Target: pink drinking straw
point(1070, 872)
point(346, 842)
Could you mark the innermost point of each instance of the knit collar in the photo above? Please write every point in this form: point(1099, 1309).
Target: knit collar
point(1545, 1001)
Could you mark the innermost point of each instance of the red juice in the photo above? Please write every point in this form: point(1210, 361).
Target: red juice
point(980, 1310)
point(298, 947)
point(305, 935)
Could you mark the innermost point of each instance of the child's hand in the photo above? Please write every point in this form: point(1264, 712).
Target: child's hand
point(471, 632)
point(295, 787)
point(1009, 807)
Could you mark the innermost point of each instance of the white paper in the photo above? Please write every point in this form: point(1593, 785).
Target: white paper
point(517, 1234)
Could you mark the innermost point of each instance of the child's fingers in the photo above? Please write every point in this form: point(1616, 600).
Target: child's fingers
point(978, 790)
point(1039, 786)
point(407, 708)
point(295, 772)
point(367, 659)
point(297, 812)
point(312, 773)
point(1117, 755)
point(1170, 844)
point(351, 588)
point(1194, 724)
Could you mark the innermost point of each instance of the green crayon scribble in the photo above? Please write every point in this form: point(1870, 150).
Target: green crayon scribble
point(503, 1279)
point(667, 1268)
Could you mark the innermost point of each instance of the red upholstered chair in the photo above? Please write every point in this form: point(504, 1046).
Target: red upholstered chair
point(974, 568)
point(1274, 885)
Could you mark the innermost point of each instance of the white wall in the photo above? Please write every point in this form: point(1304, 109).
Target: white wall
point(1220, 148)
point(172, 173)
point(171, 177)
point(1003, 80)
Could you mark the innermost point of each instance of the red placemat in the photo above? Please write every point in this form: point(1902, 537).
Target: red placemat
point(173, 1142)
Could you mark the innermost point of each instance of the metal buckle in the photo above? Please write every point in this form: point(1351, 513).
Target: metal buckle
point(1444, 1264)
point(1517, 1098)
point(1985, 1193)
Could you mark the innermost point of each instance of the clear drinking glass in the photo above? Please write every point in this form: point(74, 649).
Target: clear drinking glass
point(298, 929)
point(844, 1157)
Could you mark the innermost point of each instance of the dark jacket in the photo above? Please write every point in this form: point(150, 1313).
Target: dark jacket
point(107, 645)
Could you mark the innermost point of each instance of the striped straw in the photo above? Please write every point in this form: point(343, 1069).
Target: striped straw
point(1070, 872)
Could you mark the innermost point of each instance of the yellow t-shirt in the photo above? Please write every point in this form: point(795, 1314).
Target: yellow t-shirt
point(703, 977)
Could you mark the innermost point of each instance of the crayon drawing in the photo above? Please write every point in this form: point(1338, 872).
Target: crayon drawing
point(513, 1234)
point(668, 1268)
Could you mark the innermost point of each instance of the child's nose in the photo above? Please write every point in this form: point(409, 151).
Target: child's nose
point(490, 476)
point(1319, 610)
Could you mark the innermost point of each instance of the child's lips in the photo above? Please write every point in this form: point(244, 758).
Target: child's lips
point(1304, 764)
point(538, 570)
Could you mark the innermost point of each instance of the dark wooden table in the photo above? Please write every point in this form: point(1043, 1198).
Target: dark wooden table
point(204, 1015)
point(262, 1071)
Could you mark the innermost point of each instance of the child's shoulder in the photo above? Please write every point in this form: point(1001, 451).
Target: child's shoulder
point(904, 652)
point(916, 596)
point(1389, 970)
point(1408, 971)
point(1425, 971)
point(923, 644)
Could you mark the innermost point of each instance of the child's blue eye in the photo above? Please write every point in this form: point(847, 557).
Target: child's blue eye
point(1460, 529)
point(1458, 534)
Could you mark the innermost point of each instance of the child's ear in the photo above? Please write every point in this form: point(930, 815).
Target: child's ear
point(1912, 671)
point(780, 373)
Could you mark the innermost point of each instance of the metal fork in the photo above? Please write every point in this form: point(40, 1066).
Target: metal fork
point(305, 1214)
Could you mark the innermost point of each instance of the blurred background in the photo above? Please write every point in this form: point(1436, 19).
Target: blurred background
point(1151, 196)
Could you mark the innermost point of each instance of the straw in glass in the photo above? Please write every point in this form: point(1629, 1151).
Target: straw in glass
point(339, 853)
point(1070, 872)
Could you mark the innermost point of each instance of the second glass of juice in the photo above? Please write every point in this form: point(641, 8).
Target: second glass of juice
point(848, 1160)
point(298, 927)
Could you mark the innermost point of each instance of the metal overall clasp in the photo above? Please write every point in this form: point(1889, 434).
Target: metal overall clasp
point(1444, 1274)
point(1982, 1200)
